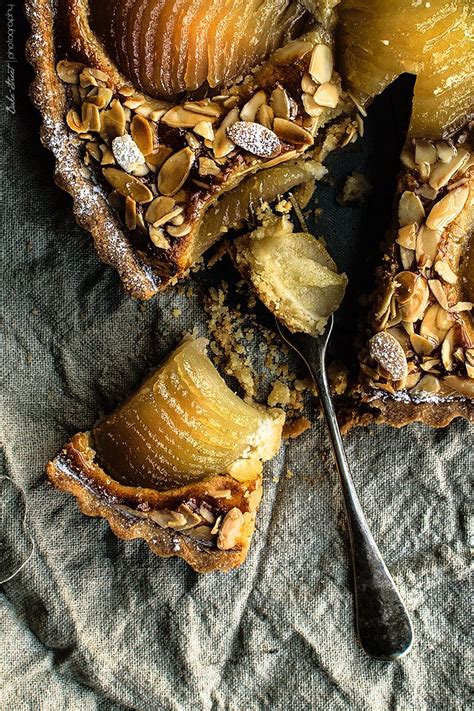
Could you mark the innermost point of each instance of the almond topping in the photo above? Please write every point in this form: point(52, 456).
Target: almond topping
point(174, 171)
point(290, 132)
point(249, 110)
point(68, 71)
point(439, 293)
point(179, 117)
point(447, 209)
point(127, 185)
point(410, 209)
point(160, 206)
point(321, 63)
point(388, 353)
point(254, 138)
point(407, 236)
point(230, 529)
point(222, 144)
point(127, 153)
point(280, 103)
point(205, 130)
point(142, 134)
point(327, 95)
point(445, 272)
point(265, 116)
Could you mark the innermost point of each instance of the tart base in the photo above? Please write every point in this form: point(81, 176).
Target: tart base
point(75, 471)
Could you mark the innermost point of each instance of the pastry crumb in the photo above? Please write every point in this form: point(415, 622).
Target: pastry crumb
point(356, 190)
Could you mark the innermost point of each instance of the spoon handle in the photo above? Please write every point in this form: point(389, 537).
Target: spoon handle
point(383, 624)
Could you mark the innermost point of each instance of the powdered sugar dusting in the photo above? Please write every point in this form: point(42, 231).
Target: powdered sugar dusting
point(254, 138)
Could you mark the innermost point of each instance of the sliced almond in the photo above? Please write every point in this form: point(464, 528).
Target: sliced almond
point(179, 117)
point(174, 171)
point(230, 529)
point(447, 209)
point(249, 110)
point(463, 386)
point(445, 151)
point(443, 171)
point(254, 138)
point(439, 293)
point(222, 144)
point(427, 243)
point(290, 132)
point(179, 230)
point(114, 120)
point(308, 84)
point(127, 185)
point(265, 116)
point(447, 349)
point(460, 307)
point(310, 106)
point(327, 95)
point(292, 51)
point(207, 166)
point(407, 236)
point(205, 130)
point(130, 213)
point(160, 206)
point(206, 107)
point(153, 109)
point(101, 98)
point(407, 257)
point(156, 159)
point(389, 354)
point(445, 272)
point(91, 117)
point(428, 384)
point(74, 121)
point(410, 209)
point(168, 217)
point(421, 345)
point(280, 103)
point(157, 236)
point(68, 71)
point(321, 63)
point(425, 152)
point(142, 134)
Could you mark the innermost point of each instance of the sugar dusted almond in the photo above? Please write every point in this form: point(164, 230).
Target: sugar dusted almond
point(389, 354)
point(254, 138)
point(447, 209)
point(290, 132)
point(410, 209)
point(127, 153)
point(174, 171)
point(321, 63)
point(127, 185)
point(249, 110)
point(327, 95)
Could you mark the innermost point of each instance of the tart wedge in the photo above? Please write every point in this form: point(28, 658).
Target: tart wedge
point(179, 464)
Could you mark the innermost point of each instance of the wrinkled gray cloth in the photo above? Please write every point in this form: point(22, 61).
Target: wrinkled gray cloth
point(93, 622)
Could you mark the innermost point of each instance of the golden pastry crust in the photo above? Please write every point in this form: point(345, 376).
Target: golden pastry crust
point(75, 471)
point(149, 255)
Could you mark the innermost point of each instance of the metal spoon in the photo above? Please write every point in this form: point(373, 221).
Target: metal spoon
point(383, 625)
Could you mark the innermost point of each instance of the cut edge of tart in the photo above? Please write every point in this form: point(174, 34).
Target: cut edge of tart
point(148, 176)
point(179, 464)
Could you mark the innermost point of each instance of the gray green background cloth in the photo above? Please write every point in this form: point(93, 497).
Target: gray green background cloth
point(92, 622)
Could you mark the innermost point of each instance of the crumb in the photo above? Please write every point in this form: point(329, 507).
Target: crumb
point(295, 428)
point(356, 190)
point(276, 479)
point(176, 313)
point(289, 474)
point(280, 394)
point(338, 375)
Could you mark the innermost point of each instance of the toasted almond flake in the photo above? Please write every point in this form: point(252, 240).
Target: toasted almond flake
point(407, 236)
point(127, 185)
point(114, 120)
point(427, 384)
point(310, 106)
point(407, 158)
point(168, 217)
point(222, 143)
point(207, 166)
point(426, 191)
point(158, 238)
point(427, 243)
point(280, 103)
point(230, 529)
point(160, 206)
point(222, 494)
point(206, 107)
point(388, 353)
point(93, 149)
point(445, 272)
point(442, 172)
point(425, 152)
point(206, 514)
point(130, 213)
point(174, 171)
point(74, 121)
point(290, 132)
point(68, 71)
point(447, 209)
point(447, 349)
point(410, 209)
point(153, 109)
point(291, 52)
point(254, 138)
point(91, 117)
point(142, 134)
point(156, 159)
point(179, 117)
point(321, 63)
point(327, 95)
point(107, 155)
point(249, 110)
point(445, 151)
point(439, 293)
point(265, 116)
point(308, 84)
point(101, 98)
point(179, 230)
point(460, 307)
point(200, 533)
point(407, 257)
point(421, 345)
point(205, 130)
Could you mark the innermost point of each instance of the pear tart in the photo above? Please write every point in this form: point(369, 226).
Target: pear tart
point(161, 113)
point(179, 464)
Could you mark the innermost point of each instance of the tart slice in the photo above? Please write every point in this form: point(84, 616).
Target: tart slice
point(418, 360)
point(170, 120)
point(179, 464)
